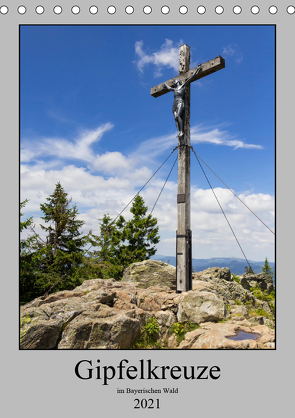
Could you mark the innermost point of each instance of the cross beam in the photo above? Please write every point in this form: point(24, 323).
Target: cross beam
point(207, 68)
point(184, 233)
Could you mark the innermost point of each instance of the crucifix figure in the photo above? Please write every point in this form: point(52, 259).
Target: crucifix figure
point(178, 104)
point(181, 111)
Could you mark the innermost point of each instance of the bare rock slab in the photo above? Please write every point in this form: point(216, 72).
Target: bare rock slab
point(262, 280)
point(215, 336)
point(200, 307)
point(90, 332)
point(151, 273)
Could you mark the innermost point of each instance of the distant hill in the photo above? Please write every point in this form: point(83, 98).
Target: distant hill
point(236, 265)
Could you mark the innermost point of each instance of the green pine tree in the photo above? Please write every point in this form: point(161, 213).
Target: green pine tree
point(123, 243)
point(102, 261)
point(28, 263)
point(104, 240)
point(63, 253)
point(266, 268)
point(64, 228)
point(140, 234)
point(25, 224)
point(54, 263)
point(248, 270)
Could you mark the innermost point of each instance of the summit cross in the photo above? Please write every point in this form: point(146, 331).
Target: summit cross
point(180, 85)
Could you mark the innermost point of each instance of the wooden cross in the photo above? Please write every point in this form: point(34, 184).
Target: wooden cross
point(183, 233)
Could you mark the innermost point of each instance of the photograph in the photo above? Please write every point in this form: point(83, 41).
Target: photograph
point(147, 187)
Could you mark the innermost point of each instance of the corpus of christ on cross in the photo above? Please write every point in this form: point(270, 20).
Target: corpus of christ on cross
point(180, 85)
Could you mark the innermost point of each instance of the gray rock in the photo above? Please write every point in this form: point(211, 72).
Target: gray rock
point(151, 273)
point(230, 290)
point(165, 319)
point(216, 273)
point(215, 335)
point(239, 310)
point(88, 332)
point(200, 307)
point(263, 280)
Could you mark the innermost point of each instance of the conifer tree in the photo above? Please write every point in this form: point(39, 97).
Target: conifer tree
point(63, 252)
point(28, 288)
point(123, 243)
point(248, 270)
point(25, 224)
point(103, 241)
point(135, 240)
point(102, 261)
point(141, 233)
point(26, 244)
point(266, 268)
point(56, 261)
point(63, 230)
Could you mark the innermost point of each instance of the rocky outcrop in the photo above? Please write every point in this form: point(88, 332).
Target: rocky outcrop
point(215, 273)
point(262, 280)
point(151, 273)
point(107, 314)
point(214, 335)
point(221, 284)
point(198, 307)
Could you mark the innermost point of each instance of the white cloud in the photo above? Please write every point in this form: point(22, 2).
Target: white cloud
point(87, 190)
point(95, 196)
point(151, 148)
point(120, 177)
point(58, 115)
point(26, 155)
point(167, 56)
point(37, 155)
point(60, 149)
point(112, 162)
point(233, 50)
point(78, 149)
point(201, 134)
point(212, 236)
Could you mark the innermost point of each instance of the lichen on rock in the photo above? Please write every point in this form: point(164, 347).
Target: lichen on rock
point(151, 273)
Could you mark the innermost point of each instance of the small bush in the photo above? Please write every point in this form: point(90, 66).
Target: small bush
point(237, 302)
point(178, 330)
point(260, 312)
point(181, 329)
point(262, 295)
point(152, 328)
point(190, 326)
point(149, 335)
point(236, 278)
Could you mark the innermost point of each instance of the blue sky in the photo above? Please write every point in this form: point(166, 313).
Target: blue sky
point(88, 120)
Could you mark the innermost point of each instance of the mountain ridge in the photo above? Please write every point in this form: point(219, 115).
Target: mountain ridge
point(236, 265)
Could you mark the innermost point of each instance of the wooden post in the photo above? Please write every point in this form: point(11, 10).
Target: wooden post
point(183, 262)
